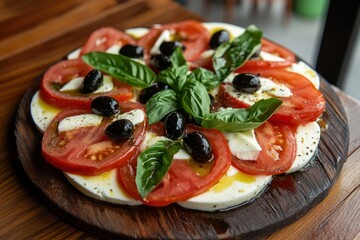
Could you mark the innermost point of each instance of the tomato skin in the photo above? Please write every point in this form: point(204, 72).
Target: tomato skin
point(66, 70)
point(70, 151)
point(101, 39)
point(273, 48)
point(305, 105)
point(192, 34)
point(182, 181)
point(271, 137)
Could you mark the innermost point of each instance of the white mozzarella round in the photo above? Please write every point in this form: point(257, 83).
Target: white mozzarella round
point(307, 139)
point(234, 31)
point(233, 189)
point(103, 187)
point(243, 145)
point(41, 112)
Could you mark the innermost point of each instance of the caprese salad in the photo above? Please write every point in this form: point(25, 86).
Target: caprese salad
point(198, 114)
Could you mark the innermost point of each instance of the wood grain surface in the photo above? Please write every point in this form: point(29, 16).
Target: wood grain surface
point(56, 29)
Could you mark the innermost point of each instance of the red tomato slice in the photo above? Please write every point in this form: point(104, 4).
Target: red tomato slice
point(62, 72)
point(270, 47)
point(305, 105)
point(103, 38)
point(87, 150)
point(278, 151)
point(191, 33)
point(185, 178)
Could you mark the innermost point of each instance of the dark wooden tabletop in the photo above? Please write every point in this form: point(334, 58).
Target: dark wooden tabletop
point(34, 34)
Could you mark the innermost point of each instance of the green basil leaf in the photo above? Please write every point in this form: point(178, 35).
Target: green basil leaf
point(177, 58)
point(175, 77)
point(195, 99)
point(162, 103)
point(153, 164)
point(230, 56)
point(206, 77)
point(235, 120)
point(121, 68)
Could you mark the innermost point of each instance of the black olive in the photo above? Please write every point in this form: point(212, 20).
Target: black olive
point(92, 81)
point(174, 125)
point(120, 130)
point(105, 106)
point(132, 51)
point(246, 83)
point(160, 61)
point(218, 38)
point(198, 147)
point(167, 48)
point(147, 93)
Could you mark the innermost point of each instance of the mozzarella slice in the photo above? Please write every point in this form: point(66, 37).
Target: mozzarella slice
point(103, 187)
point(243, 145)
point(79, 121)
point(137, 32)
point(307, 139)
point(164, 37)
point(234, 31)
point(76, 83)
point(233, 189)
point(41, 112)
point(303, 69)
point(270, 57)
point(136, 116)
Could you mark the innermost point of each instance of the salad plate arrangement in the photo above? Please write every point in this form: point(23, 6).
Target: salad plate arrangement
point(183, 130)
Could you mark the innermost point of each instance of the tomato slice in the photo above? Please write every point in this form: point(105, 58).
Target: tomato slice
point(192, 34)
point(62, 72)
point(185, 178)
point(275, 49)
point(305, 105)
point(87, 150)
point(103, 38)
point(278, 152)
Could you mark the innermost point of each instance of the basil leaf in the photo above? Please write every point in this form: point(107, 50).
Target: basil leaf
point(121, 68)
point(195, 99)
point(177, 58)
point(206, 77)
point(174, 77)
point(153, 164)
point(230, 56)
point(162, 103)
point(235, 120)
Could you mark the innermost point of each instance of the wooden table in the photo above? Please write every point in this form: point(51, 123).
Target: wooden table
point(34, 34)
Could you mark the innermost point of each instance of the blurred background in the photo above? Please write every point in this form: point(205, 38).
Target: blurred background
point(296, 24)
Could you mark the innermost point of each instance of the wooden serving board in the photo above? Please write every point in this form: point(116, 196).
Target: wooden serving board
point(287, 199)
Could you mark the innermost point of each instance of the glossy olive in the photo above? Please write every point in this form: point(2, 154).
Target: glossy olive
point(218, 38)
point(167, 48)
point(174, 125)
point(160, 61)
point(198, 147)
point(132, 51)
point(92, 81)
point(246, 83)
point(120, 130)
point(147, 93)
point(105, 106)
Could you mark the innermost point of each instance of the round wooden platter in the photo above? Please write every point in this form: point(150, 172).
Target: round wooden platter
point(287, 199)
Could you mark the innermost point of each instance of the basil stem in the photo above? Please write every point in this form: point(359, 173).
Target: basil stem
point(153, 164)
point(121, 68)
point(161, 104)
point(235, 120)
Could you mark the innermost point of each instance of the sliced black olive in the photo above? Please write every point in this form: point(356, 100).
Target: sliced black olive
point(105, 106)
point(92, 81)
point(132, 51)
point(147, 93)
point(160, 61)
point(218, 38)
point(174, 125)
point(167, 48)
point(120, 130)
point(246, 83)
point(198, 147)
